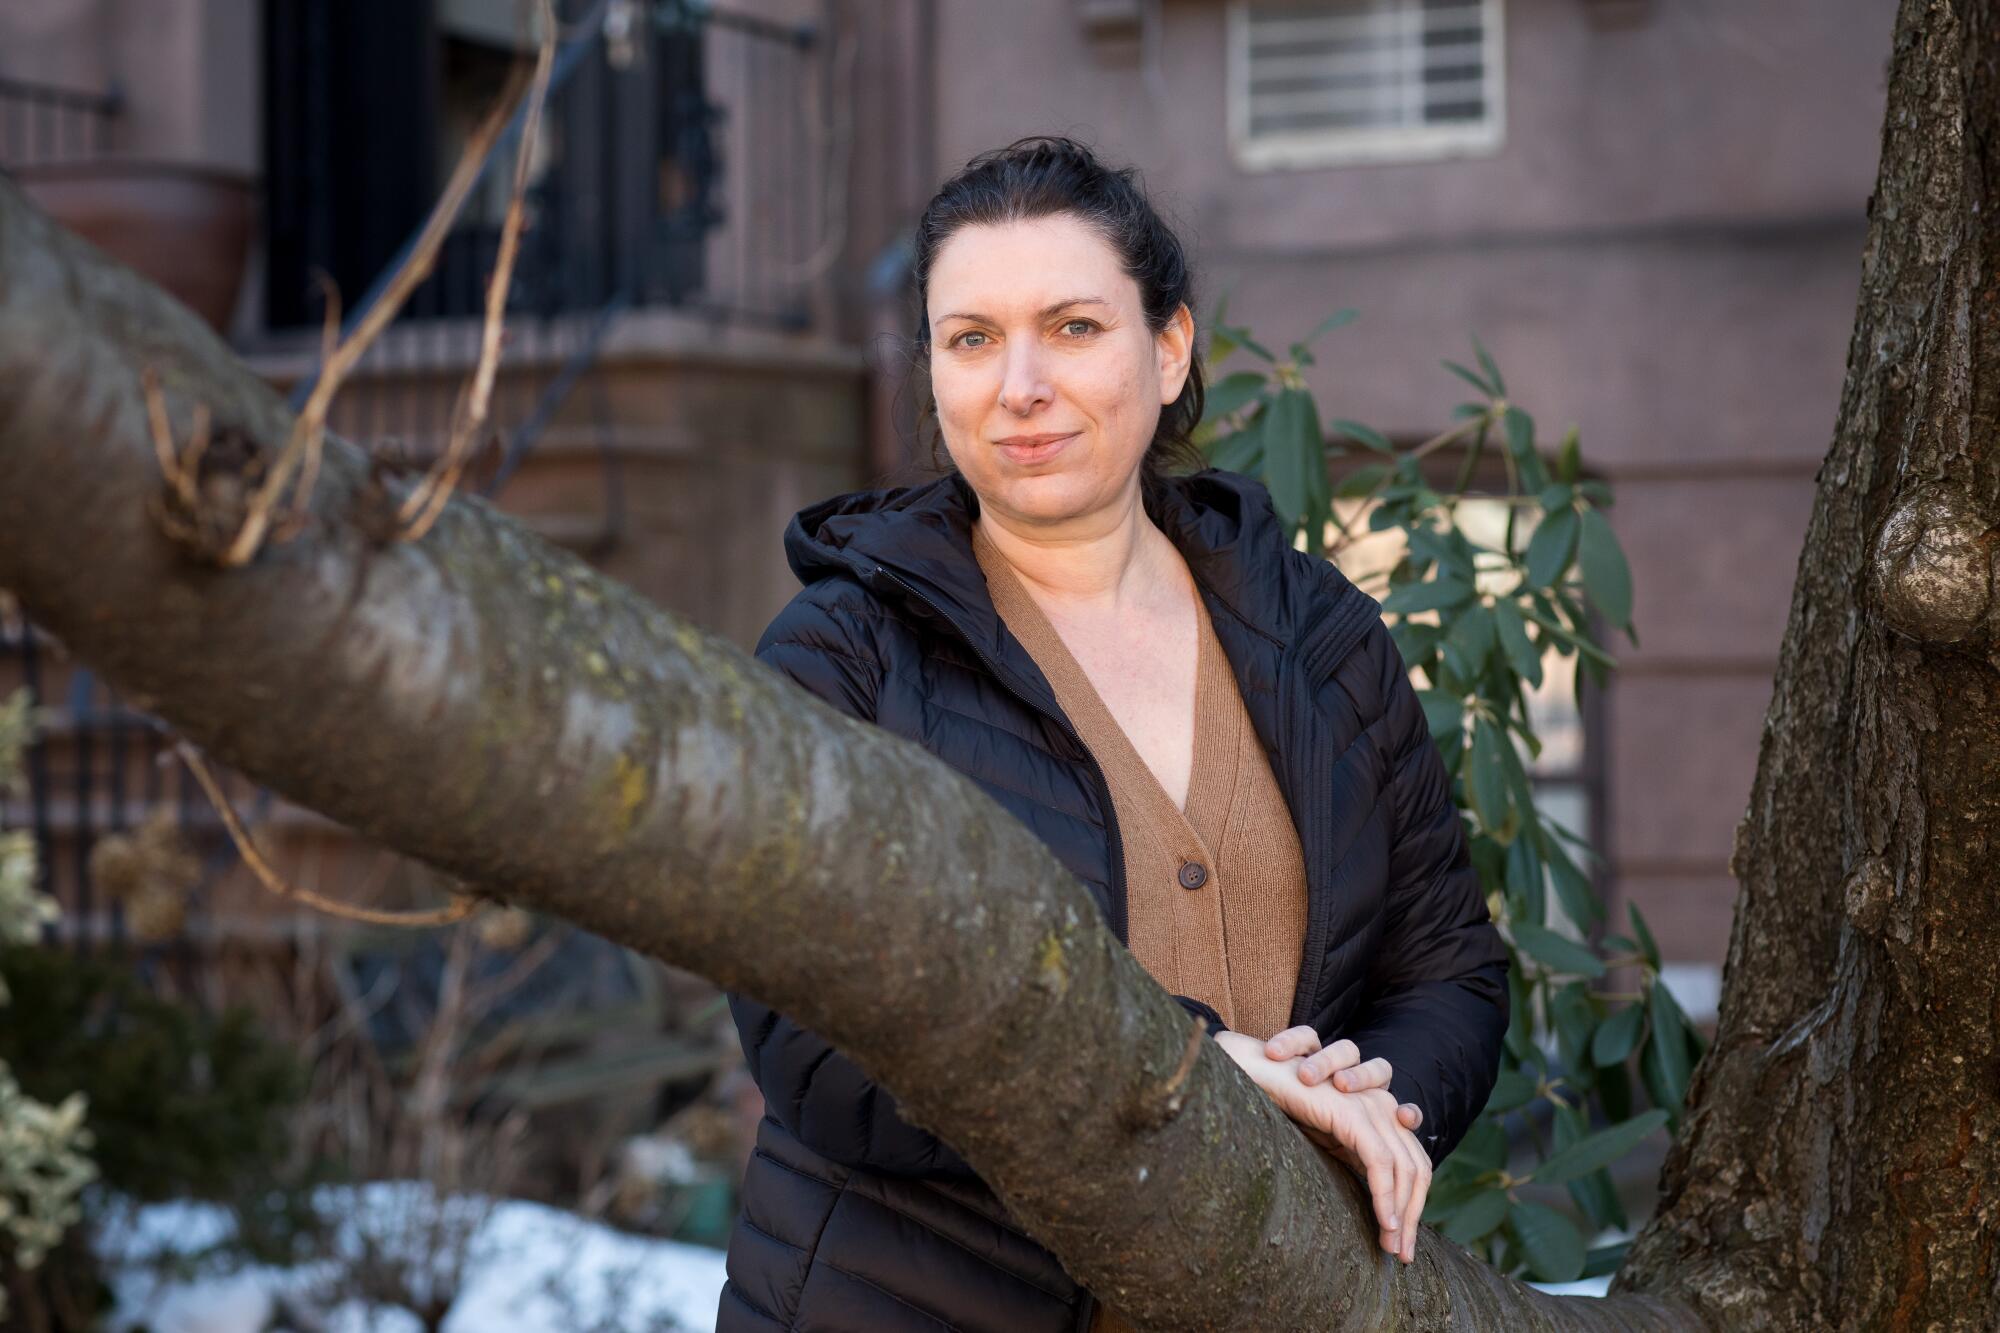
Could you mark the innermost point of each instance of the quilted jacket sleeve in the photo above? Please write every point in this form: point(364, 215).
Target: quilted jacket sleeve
point(813, 1090)
point(1438, 988)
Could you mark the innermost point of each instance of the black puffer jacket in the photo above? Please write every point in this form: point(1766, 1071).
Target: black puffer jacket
point(854, 1221)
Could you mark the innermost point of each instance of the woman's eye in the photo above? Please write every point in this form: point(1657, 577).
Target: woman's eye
point(1088, 325)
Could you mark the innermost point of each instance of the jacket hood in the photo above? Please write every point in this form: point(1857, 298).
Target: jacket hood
point(916, 541)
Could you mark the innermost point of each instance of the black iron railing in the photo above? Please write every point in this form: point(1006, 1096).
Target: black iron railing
point(682, 166)
point(42, 124)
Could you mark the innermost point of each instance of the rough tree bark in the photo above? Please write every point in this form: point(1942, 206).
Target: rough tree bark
point(1840, 1167)
point(488, 704)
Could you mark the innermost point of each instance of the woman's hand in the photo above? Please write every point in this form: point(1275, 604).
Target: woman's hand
point(1342, 1061)
point(1363, 1129)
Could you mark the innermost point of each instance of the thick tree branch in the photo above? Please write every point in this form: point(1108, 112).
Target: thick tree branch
point(490, 705)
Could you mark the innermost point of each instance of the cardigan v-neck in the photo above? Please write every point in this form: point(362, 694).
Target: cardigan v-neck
point(1215, 889)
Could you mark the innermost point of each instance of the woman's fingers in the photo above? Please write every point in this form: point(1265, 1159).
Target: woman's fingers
point(1338, 1056)
point(1404, 1182)
point(1369, 1074)
point(1410, 1116)
point(1385, 1168)
point(1292, 1042)
point(1413, 1211)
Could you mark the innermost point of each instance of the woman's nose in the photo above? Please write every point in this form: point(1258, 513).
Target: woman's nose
point(1023, 383)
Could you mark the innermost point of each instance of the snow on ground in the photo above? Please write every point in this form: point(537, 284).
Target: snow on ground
point(529, 1269)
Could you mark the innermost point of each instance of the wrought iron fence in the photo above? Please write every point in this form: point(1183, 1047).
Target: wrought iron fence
point(41, 123)
point(717, 114)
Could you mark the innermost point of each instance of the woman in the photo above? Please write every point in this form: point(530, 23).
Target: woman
point(1212, 730)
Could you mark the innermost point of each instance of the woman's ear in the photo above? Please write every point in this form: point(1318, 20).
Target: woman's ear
point(1176, 352)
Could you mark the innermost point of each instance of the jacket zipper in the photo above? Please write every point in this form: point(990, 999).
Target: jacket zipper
point(1116, 867)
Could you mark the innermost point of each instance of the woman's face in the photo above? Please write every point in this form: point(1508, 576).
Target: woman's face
point(1037, 331)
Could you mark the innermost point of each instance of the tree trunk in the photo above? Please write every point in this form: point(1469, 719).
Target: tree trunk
point(1840, 1167)
point(490, 705)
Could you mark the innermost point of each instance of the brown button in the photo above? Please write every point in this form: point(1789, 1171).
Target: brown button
point(1193, 874)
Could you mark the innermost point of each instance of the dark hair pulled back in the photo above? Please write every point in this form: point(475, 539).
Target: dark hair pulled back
point(1047, 175)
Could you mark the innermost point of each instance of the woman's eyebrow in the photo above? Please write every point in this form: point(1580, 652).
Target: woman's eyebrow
point(1044, 313)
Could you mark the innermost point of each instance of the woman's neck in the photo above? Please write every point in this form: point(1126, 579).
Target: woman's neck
point(1103, 561)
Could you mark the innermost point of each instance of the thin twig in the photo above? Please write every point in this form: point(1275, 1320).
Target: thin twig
point(309, 429)
point(162, 431)
point(1431, 445)
point(428, 499)
point(1162, 1102)
point(461, 906)
point(484, 995)
point(329, 343)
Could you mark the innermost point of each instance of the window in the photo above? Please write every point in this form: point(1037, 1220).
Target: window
point(1324, 82)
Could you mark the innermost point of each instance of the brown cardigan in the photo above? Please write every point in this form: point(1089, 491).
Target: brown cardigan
point(1215, 891)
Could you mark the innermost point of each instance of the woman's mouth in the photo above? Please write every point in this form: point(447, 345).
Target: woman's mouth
point(1026, 455)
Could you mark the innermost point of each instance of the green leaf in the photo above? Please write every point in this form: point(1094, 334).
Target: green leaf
point(1617, 1035)
point(1551, 547)
point(1337, 319)
point(1520, 428)
point(1667, 1043)
point(1361, 480)
point(1556, 495)
point(1570, 462)
point(1524, 880)
point(1470, 378)
point(1367, 435)
point(1647, 946)
point(1452, 1186)
point(1440, 594)
point(1240, 451)
point(1550, 1241)
point(1415, 642)
point(1484, 1147)
point(1556, 952)
point(1469, 641)
point(1514, 641)
point(1477, 1217)
point(1575, 1018)
point(1598, 1198)
point(1573, 891)
point(1597, 1150)
point(1488, 779)
point(1249, 344)
point(1442, 711)
point(1592, 1192)
point(1454, 556)
point(1605, 574)
point(1614, 1091)
point(1511, 1091)
point(1486, 364)
point(1567, 638)
point(1233, 394)
point(1292, 449)
point(1605, 1259)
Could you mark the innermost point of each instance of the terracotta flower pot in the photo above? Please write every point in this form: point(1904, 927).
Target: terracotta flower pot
point(185, 227)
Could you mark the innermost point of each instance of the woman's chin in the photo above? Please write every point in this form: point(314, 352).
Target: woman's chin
point(1041, 498)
